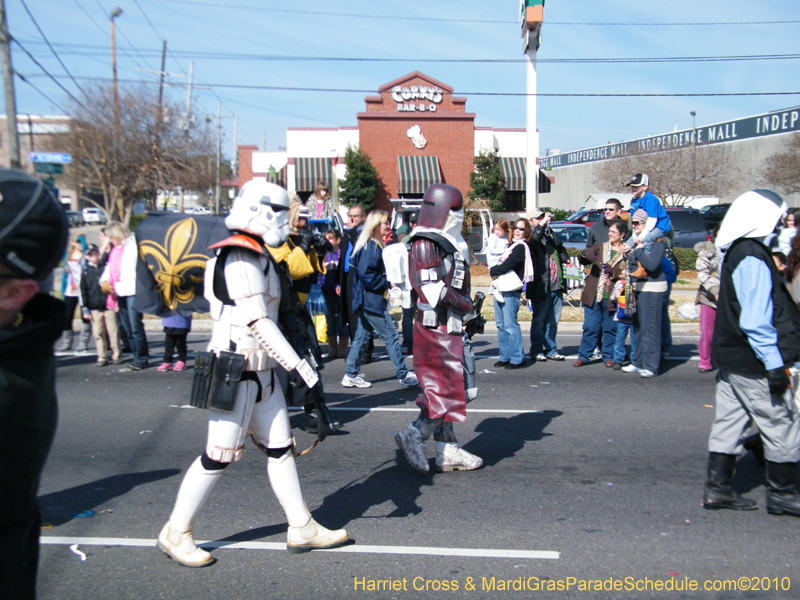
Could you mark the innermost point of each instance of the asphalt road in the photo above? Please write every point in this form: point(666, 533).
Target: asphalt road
point(589, 474)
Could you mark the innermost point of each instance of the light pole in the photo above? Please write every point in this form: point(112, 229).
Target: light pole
point(114, 14)
point(694, 146)
point(531, 17)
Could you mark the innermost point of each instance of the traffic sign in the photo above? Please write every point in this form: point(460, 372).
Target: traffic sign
point(51, 168)
point(50, 157)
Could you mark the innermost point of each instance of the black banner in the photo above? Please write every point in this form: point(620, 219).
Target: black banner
point(173, 250)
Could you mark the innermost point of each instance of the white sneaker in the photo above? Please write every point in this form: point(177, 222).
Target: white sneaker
point(449, 457)
point(645, 373)
point(181, 548)
point(313, 536)
point(556, 356)
point(630, 369)
point(541, 357)
point(597, 354)
point(357, 381)
point(409, 381)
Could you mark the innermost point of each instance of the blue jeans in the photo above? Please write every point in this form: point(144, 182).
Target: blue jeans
point(544, 324)
point(619, 345)
point(509, 334)
point(134, 327)
point(666, 325)
point(597, 320)
point(383, 325)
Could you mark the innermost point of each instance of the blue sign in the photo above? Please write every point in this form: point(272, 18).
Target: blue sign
point(63, 158)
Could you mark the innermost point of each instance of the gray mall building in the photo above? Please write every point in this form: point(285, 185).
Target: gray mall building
point(749, 143)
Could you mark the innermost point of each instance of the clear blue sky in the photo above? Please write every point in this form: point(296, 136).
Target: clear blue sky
point(232, 41)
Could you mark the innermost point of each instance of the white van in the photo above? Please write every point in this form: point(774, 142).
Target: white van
point(92, 216)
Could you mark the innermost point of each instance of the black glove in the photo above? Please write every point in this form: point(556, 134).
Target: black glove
point(778, 381)
point(306, 236)
point(322, 244)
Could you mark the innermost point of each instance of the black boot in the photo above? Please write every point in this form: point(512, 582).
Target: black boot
point(718, 485)
point(329, 424)
point(782, 496)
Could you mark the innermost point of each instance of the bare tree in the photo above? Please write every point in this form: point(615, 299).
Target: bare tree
point(153, 151)
point(782, 169)
point(676, 175)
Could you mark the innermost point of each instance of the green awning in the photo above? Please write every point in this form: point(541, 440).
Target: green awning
point(309, 171)
point(513, 168)
point(416, 173)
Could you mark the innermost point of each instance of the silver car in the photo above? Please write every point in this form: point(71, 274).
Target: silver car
point(572, 235)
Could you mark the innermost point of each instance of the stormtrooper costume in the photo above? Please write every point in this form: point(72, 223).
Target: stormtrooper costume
point(443, 358)
point(756, 340)
point(246, 325)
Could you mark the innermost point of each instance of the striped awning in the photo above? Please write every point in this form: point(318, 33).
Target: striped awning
point(416, 173)
point(513, 168)
point(309, 171)
point(276, 176)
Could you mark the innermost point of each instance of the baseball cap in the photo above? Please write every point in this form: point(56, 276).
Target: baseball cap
point(92, 248)
point(536, 214)
point(639, 179)
point(304, 213)
point(33, 225)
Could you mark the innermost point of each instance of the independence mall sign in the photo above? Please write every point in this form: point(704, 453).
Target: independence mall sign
point(773, 123)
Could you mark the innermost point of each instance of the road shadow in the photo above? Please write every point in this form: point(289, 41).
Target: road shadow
point(501, 437)
point(61, 507)
point(388, 482)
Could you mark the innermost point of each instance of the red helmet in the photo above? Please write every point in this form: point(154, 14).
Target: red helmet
point(438, 201)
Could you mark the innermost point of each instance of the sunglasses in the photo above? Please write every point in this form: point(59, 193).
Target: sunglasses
point(638, 222)
point(609, 209)
point(519, 228)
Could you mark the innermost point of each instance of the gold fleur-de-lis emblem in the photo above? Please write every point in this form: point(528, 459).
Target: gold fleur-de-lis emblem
point(173, 263)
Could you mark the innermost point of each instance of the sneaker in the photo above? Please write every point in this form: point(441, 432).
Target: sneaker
point(163, 367)
point(617, 366)
point(179, 366)
point(541, 357)
point(597, 354)
point(357, 381)
point(630, 369)
point(102, 363)
point(136, 366)
point(558, 356)
point(409, 381)
point(449, 457)
point(410, 441)
point(645, 373)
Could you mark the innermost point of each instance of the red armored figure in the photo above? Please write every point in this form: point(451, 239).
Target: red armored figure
point(443, 359)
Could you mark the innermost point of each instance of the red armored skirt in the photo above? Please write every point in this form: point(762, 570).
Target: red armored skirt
point(438, 363)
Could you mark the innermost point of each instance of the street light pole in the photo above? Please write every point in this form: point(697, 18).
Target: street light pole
point(694, 146)
point(114, 14)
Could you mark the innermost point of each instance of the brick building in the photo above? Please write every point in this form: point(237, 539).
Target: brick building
point(415, 131)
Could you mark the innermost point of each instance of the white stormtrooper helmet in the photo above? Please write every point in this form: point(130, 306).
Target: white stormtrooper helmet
point(754, 214)
point(262, 209)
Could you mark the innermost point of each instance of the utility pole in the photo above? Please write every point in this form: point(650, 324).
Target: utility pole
point(219, 155)
point(187, 122)
point(8, 85)
point(235, 159)
point(114, 14)
point(531, 17)
point(694, 146)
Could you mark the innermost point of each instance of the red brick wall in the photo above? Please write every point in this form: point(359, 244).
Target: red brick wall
point(449, 132)
point(246, 163)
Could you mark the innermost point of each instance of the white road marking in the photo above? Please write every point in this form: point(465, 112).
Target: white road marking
point(509, 411)
point(352, 549)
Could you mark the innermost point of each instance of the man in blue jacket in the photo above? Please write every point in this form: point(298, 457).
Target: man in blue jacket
point(756, 339)
point(658, 223)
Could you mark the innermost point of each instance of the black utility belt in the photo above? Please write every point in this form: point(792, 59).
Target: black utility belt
point(216, 380)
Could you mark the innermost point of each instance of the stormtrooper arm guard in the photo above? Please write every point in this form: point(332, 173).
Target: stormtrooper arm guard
point(249, 289)
point(272, 340)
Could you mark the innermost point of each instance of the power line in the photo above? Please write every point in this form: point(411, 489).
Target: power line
point(56, 104)
point(53, 77)
point(210, 86)
point(277, 58)
point(451, 20)
point(44, 37)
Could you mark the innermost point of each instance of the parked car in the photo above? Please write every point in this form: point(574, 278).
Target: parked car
point(199, 210)
point(586, 218)
point(689, 227)
point(713, 214)
point(75, 218)
point(572, 235)
point(94, 216)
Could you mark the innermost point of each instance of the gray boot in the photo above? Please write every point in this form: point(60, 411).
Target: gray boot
point(84, 338)
point(64, 343)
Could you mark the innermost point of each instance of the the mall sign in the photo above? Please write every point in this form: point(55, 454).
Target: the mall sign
point(750, 127)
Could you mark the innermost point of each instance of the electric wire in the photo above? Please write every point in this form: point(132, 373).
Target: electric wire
point(56, 104)
point(46, 72)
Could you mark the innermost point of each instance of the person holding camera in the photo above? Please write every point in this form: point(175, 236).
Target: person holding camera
point(546, 292)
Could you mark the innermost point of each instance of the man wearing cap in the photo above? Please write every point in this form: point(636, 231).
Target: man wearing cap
point(33, 236)
point(658, 223)
point(546, 291)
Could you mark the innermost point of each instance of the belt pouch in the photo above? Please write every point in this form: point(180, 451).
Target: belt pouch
point(227, 376)
point(201, 383)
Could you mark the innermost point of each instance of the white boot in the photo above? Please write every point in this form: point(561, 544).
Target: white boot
point(84, 337)
point(305, 533)
point(175, 538)
point(449, 457)
point(411, 442)
point(64, 343)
